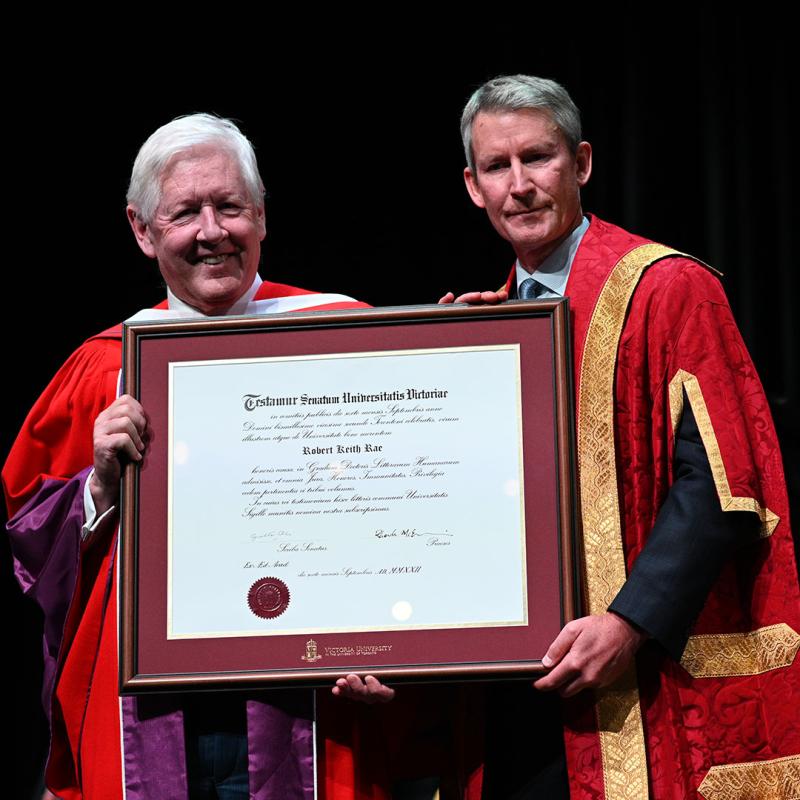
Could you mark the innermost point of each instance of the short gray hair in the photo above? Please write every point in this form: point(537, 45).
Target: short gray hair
point(183, 133)
point(518, 92)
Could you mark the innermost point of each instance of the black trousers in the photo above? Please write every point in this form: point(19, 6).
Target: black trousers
point(524, 756)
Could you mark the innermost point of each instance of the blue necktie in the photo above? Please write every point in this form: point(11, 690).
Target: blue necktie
point(531, 289)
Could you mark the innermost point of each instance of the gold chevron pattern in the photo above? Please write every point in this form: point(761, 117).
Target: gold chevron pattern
point(778, 779)
point(685, 381)
point(724, 655)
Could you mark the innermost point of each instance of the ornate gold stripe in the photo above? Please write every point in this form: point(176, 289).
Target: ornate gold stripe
point(723, 655)
point(686, 381)
point(619, 719)
point(778, 779)
point(618, 711)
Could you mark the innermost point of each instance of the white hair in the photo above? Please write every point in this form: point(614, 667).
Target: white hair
point(183, 133)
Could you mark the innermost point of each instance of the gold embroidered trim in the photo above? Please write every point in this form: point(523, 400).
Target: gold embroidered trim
point(723, 655)
point(686, 381)
point(778, 779)
point(619, 721)
point(618, 712)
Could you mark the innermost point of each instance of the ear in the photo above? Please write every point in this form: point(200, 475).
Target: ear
point(261, 221)
point(473, 189)
point(583, 163)
point(141, 230)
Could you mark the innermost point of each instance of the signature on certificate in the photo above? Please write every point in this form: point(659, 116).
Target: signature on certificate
point(431, 538)
point(258, 537)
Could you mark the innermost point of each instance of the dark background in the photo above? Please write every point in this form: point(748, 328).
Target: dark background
point(358, 144)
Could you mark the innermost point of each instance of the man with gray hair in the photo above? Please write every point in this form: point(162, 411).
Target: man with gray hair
point(690, 585)
point(195, 205)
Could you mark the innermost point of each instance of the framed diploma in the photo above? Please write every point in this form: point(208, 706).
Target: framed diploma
point(384, 491)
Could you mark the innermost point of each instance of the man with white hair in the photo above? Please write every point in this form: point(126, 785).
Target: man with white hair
point(195, 205)
point(688, 647)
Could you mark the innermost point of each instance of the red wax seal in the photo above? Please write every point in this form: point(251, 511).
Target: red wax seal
point(268, 598)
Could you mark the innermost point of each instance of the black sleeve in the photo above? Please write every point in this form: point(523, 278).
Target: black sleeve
point(683, 556)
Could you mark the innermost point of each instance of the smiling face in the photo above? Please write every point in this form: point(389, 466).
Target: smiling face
point(528, 180)
point(206, 232)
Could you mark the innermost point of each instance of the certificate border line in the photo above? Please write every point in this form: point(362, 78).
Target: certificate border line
point(170, 468)
point(173, 366)
point(326, 631)
point(521, 493)
point(331, 356)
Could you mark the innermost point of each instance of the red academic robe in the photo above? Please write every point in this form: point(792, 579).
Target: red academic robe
point(651, 330)
point(43, 480)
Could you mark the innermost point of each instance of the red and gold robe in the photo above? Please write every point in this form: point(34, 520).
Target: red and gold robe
point(652, 328)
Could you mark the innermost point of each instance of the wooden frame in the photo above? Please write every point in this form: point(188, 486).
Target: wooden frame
point(149, 661)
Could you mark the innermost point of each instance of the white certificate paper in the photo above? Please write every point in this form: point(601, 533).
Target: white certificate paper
point(352, 492)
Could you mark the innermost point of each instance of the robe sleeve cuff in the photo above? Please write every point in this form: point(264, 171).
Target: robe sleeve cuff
point(684, 554)
point(93, 521)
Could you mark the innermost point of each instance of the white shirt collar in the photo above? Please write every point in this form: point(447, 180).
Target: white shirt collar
point(553, 272)
point(240, 307)
point(245, 305)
